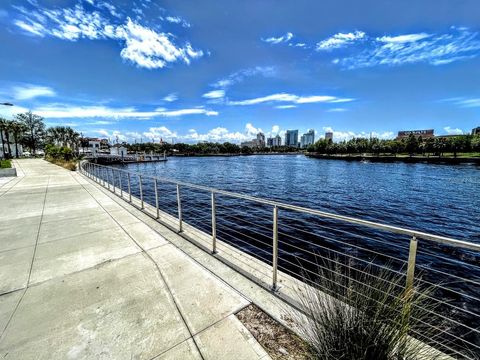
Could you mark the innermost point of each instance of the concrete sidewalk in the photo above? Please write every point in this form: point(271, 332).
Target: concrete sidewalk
point(82, 278)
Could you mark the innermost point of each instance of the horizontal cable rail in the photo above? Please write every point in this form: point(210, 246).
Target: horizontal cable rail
point(286, 245)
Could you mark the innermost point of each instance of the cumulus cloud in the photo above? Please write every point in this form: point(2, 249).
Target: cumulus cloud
point(340, 40)
point(453, 131)
point(277, 40)
point(150, 49)
point(28, 92)
point(291, 98)
point(143, 46)
point(347, 135)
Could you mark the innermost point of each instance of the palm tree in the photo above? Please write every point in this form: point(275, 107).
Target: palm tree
point(35, 129)
point(72, 138)
point(18, 130)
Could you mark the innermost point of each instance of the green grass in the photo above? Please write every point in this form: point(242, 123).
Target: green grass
point(5, 164)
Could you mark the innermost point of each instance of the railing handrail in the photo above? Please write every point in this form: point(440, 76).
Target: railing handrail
point(395, 229)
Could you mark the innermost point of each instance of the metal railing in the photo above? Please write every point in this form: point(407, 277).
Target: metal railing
point(286, 238)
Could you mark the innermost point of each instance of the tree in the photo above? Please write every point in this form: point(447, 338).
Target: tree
point(3, 127)
point(18, 130)
point(35, 129)
point(411, 145)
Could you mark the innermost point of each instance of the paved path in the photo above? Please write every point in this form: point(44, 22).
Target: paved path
point(82, 278)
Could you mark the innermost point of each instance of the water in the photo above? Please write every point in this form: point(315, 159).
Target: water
point(437, 199)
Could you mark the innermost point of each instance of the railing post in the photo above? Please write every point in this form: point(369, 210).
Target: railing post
point(107, 178)
point(156, 197)
point(275, 249)
point(214, 225)
point(129, 188)
point(113, 180)
point(141, 190)
point(179, 205)
point(412, 255)
point(120, 183)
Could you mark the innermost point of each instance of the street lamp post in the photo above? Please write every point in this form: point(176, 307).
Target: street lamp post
point(1, 134)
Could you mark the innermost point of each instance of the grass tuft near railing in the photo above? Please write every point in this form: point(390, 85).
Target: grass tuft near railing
point(366, 316)
point(5, 164)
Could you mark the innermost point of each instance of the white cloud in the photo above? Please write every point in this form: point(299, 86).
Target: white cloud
point(340, 40)
point(434, 49)
point(181, 112)
point(337, 110)
point(32, 91)
point(464, 102)
point(290, 98)
point(285, 106)
point(453, 131)
point(347, 135)
point(149, 49)
point(241, 75)
point(143, 46)
point(277, 40)
point(214, 94)
point(159, 132)
point(403, 38)
point(74, 111)
point(178, 20)
point(170, 97)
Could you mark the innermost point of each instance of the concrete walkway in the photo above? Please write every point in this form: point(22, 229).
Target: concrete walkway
point(83, 278)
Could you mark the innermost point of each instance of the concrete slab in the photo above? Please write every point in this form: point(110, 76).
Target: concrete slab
point(8, 303)
point(55, 230)
point(123, 217)
point(19, 233)
point(14, 269)
point(201, 297)
point(119, 310)
point(229, 339)
point(184, 351)
point(62, 257)
point(145, 236)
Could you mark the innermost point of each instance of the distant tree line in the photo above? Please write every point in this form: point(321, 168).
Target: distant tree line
point(204, 148)
point(412, 145)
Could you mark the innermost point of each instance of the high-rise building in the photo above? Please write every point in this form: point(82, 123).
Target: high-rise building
point(260, 140)
point(291, 138)
point(329, 136)
point(277, 141)
point(307, 139)
point(274, 141)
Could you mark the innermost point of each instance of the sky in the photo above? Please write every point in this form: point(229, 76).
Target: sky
point(190, 70)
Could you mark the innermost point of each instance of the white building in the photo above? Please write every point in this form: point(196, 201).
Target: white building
point(118, 150)
point(4, 150)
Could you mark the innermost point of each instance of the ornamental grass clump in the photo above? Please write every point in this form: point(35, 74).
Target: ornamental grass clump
point(365, 314)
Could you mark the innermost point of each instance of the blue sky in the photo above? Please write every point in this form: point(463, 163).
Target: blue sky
point(222, 70)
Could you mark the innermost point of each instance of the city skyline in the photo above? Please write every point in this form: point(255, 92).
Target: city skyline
point(140, 70)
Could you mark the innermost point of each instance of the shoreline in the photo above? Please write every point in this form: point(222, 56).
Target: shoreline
point(232, 155)
point(391, 159)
